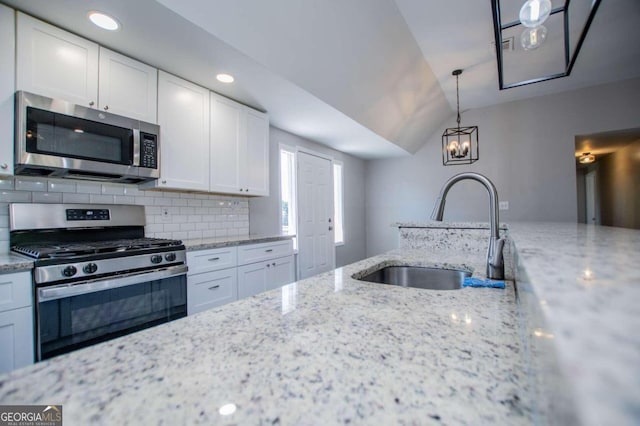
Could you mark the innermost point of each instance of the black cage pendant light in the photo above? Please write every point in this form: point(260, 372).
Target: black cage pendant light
point(459, 144)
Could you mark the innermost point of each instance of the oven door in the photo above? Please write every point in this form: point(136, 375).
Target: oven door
point(73, 316)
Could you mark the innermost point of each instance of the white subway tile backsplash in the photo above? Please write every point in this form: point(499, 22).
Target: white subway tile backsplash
point(6, 183)
point(15, 196)
point(112, 190)
point(133, 191)
point(88, 188)
point(75, 198)
point(100, 199)
point(191, 216)
point(179, 202)
point(46, 197)
point(58, 186)
point(195, 234)
point(124, 199)
point(30, 185)
point(171, 227)
point(187, 226)
point(154, 227)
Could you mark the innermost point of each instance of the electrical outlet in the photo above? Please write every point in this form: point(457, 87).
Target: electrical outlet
point(504, 205)
point(166, 216)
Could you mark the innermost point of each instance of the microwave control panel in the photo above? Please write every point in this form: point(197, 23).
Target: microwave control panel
point(148, 150)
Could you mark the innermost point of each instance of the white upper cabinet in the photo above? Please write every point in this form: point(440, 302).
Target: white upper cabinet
point(226, 116)
point(127, 87)
point(54, 63)
point(239, 148)
point(57, 64)
point(183, 116)
point(7, 87)
point(255, 170)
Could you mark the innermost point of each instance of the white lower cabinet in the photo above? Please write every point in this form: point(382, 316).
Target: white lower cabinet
point(258, 277)
point(211, 289)
point(220, 276)
point(16, 321)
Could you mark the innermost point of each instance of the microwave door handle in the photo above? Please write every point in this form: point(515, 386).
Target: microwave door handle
point(136, 147)
point(65, 290)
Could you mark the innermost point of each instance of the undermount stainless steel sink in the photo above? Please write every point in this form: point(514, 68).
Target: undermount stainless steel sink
point(419, 277)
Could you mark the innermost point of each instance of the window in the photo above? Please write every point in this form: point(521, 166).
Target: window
point(338, 202)
point(288, 192)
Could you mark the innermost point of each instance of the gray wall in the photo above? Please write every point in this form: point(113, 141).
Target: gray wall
point(619, 187)
point(526, 149)
point(264, 212)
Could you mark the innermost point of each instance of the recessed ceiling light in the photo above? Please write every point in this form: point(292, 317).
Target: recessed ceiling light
point(225, 78)
point(104, 21)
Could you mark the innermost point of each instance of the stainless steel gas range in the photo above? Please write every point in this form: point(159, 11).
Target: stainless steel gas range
point(96, 276)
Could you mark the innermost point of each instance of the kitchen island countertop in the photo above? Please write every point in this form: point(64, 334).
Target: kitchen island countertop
point(325, 350)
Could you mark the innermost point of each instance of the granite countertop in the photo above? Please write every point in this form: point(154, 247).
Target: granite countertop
point(443, 224)
point(325, 350)
point(211, 243)
point(587, 282)
point(14, 263)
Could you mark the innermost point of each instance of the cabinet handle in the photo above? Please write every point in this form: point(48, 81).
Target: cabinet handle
point(268, 250)
point(331, 228)
point(241, 189)
point(4, 166)
point(214, 287)
point(92, 103)
point(246, 190)
point(268, 266)
point(164, 181)
point(106, 107)
point(273, 264)
point(213, 259)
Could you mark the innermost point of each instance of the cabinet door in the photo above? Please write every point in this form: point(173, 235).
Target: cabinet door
point(282, 271)
point(54, 63)
point(127, 87)
point(7, 88)
point(255, 154)
point(183, 116)
point(226, 122)
point(16, 339)
point(211, 289)
point(252, 279)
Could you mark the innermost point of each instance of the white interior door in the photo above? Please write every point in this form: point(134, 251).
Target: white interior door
point(316, 248)
point(591, 199)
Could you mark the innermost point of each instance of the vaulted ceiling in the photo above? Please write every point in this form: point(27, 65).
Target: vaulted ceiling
point(367, 77)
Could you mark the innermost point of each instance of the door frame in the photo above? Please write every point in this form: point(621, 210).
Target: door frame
point(331, 160)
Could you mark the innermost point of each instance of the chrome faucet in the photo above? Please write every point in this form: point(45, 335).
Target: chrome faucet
point(495, 259)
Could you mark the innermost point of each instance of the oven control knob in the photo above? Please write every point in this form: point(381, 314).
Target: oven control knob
point(170, 257)
point(90, 268)
point(156, 258)
point(69, 271)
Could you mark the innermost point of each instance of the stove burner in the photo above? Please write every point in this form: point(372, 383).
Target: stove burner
point(54, 251)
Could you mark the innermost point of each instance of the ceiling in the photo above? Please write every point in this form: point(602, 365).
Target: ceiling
point(368, 77)
point(600, 144)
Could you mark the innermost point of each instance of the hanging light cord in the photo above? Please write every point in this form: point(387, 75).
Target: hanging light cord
point(458, 101)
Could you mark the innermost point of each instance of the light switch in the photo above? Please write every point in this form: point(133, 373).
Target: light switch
point(503, 205)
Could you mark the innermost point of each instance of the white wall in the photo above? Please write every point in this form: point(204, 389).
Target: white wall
point(526, 149)
point(264, 212)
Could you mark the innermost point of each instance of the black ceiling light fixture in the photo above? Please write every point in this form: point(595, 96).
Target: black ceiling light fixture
point(544, 52)
point(459, 144)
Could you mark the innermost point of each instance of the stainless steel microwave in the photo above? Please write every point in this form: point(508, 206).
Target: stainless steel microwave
point(59, 139)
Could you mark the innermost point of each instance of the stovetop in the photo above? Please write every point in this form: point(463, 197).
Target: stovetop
point(80, 249)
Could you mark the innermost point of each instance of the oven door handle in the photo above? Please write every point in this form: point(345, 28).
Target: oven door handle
point(76, 289)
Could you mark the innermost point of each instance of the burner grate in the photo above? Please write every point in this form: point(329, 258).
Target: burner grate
point(46, 251)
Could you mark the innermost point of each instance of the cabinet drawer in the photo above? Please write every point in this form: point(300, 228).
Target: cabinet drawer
point(15, 291)
point(211, 260)
point(259, 252)
point(211, 289)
